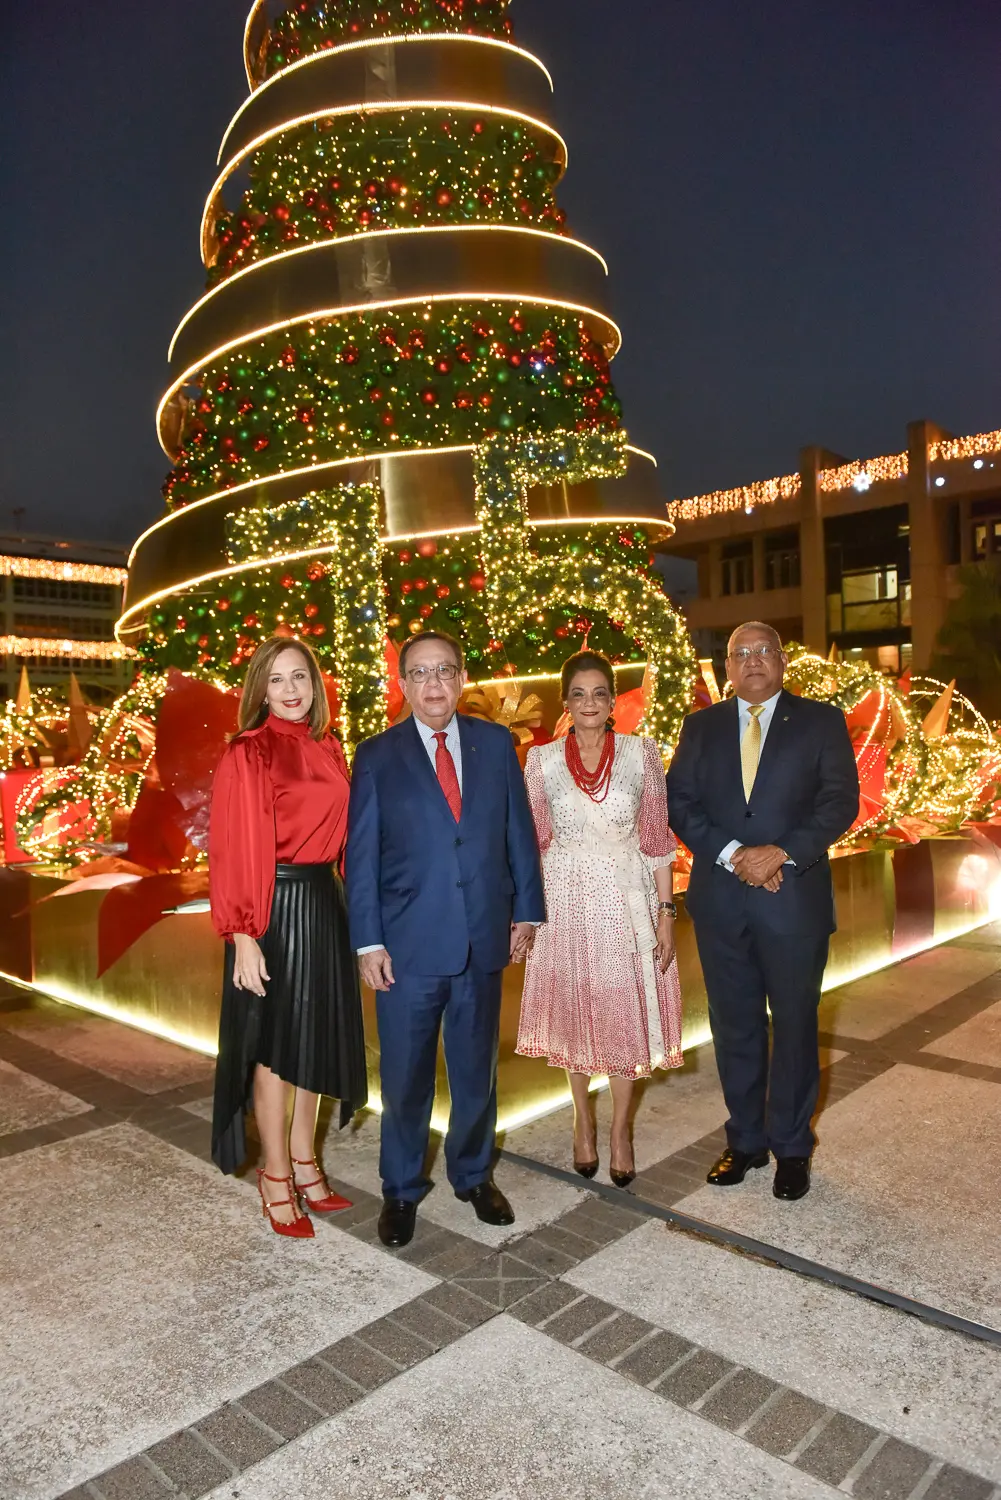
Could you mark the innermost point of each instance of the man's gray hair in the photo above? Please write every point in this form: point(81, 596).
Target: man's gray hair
point(768, 630)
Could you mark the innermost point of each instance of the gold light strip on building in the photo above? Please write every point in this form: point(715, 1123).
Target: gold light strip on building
point(73, 572)
point(257, 89)
point(345, 239)
point(965, 447)
point(860, 474)
point(40, 645)
point(747, 497)
point(363, 107)
point(428, 299)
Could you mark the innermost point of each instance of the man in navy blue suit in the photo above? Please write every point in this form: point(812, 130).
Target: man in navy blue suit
point(444, 889)
point(759, 788)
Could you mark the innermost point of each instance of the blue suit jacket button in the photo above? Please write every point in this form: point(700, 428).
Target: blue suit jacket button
point(458, 885)
point(457, 843)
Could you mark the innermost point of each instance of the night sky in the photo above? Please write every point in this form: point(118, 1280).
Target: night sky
point(799, 203)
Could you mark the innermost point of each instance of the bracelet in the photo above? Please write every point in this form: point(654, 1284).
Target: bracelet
point(669, 907)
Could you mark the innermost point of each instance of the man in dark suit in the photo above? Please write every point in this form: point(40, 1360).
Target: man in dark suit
point(444, 889)
point(759, 788)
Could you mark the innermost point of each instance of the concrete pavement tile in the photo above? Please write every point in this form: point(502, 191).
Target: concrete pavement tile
point(161, 1296)
point(869, 1008)
point(898, 1197)
point(737, 1401)
point(694, 1378)
point(188, 1464)
point(320, 1386)
point(27, 1102)
point(653, 1359)
point(785, 1424)
point(550, 1298)
point(977, 1040)
point(551, 1422)
point(280, 1409)
point(924, 1385)
point(365, 1366)
point(613, 1339)
point(956, 1484)
point(237, 1438)
point(135, 1058)
point(353, 1157)
point(893, 1473)
point(673, 1110)
point(397, 1343)
point(133, 1480)
point(837, 1448)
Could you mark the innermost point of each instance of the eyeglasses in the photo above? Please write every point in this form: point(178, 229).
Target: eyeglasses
point(447, 671)
point(744, 653)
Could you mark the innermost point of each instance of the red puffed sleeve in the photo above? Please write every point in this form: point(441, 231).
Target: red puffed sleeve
point(242, 855)
point(657, 841)
point(537, 799)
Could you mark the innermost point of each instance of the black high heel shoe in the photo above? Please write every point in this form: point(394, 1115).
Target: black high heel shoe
point(621, 1179)
point(586, 1168)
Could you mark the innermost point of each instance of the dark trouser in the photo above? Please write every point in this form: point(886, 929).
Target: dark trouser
point(467, 1007)
point(748, 970)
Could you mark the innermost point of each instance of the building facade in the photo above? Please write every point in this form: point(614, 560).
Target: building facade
point(59, 601)
point(860, 554)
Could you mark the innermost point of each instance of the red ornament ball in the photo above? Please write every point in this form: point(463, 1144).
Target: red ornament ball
point(562, 632)
point(311, 611)
point(287, 581)
point(222, 604)
point(428, 547)
point(443, 591)
point(350, 355)
point(250, 621)
point(315, 571)
point(425, 610)
point(261, 441)
point(405, 557)
point(477, 581)
point(429, 396)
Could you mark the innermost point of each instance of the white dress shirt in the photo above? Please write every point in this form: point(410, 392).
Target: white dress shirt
point(452, 743)
point(743, 720)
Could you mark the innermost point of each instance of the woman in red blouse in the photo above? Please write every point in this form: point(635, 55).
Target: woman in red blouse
point(291, 1022)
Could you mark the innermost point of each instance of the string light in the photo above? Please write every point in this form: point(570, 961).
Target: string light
point(30, 645)
point(73, 572)
point(965, 447)
point(859, 474)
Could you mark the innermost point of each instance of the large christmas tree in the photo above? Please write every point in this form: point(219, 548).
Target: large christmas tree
point(392, 410)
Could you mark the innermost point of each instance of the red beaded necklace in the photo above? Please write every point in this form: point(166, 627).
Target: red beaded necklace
point(593, 784)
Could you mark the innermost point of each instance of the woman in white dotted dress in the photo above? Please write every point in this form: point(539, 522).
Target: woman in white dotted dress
point(601, 984)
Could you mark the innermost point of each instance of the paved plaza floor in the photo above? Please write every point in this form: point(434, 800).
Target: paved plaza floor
point(159, 1340)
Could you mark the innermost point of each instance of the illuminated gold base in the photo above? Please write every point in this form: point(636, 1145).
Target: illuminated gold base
point(168, 983)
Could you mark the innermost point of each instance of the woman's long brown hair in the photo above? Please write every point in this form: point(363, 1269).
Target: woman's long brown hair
point(254, 703)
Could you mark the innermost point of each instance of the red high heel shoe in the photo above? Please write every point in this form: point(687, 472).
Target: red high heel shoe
point(301, 1227)
point(330, 1203)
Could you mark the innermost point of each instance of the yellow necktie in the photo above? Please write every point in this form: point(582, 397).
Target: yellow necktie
point(750, 749)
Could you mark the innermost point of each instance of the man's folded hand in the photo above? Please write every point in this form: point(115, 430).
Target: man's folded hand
point(760, 866)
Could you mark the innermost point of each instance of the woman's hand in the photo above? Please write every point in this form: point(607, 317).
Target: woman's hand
point(665, 940)
point(249, 970)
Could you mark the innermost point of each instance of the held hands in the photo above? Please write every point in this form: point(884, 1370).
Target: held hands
point(665, 941)
point(522, 938)
point(249, 969)
point(760, 866)
point(376, 969)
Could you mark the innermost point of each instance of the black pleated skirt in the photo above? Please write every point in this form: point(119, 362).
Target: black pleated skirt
point(308, 1027)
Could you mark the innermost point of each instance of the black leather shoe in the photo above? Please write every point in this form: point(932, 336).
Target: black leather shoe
point(733, 1167)
point(396, 1222)
point(489, 1202)
point(792, 1177)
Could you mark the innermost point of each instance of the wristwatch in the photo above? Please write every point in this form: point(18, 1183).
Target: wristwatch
point(669, 907)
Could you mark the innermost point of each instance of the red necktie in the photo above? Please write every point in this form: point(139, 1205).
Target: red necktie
point(447, 779)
